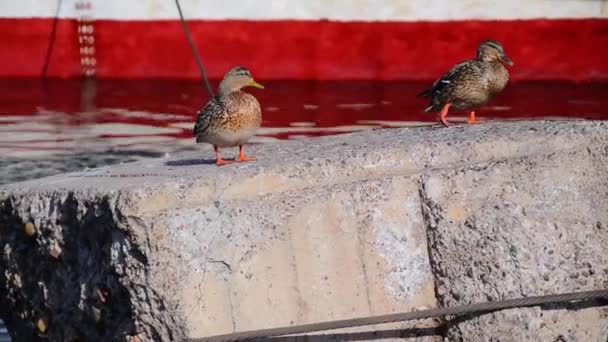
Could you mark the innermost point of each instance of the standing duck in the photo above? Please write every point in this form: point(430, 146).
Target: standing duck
point(471, 83)
point(230, 118)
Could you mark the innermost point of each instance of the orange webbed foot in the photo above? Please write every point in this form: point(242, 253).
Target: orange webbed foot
point(444, 114)
point(245, 159)
point(221, 162)
point(472, 119)
point(242, 157)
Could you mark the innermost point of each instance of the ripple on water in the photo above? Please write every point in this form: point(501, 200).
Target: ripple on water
point(58, 130)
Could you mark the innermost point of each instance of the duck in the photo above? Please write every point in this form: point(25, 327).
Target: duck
point(231, 117)
point(470, 84)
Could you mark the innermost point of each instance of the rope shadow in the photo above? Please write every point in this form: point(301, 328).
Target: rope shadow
point(423, 332)
point(577, 300)
point(359, 336)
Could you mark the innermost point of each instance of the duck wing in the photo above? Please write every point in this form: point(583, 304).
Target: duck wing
point(449, 78)
point(214, 107)
point(450, 84)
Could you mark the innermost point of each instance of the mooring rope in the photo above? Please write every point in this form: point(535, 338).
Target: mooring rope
point(407, 316)
point(52, 38)
point(197, 57)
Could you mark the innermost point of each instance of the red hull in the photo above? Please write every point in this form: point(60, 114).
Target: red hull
point(542, 49)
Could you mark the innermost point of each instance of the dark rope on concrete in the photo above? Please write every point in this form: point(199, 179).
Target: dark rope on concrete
point(197, 57)
point(52, 38)
point(407, 316)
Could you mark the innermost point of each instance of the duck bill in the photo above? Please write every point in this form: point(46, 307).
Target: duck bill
point(506, 60)
point(256, 85)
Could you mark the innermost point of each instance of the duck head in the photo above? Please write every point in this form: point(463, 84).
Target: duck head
point(491, 51)
point(236, 79)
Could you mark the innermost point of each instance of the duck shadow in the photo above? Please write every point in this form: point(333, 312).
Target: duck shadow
point(190, 162)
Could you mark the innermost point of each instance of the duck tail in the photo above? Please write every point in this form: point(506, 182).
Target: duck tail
point(428, 93)
point(430, 108)
point(425, 93)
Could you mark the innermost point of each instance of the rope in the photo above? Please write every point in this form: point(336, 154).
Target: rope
point(53, 36)
point(400, 317)
point(197, 57)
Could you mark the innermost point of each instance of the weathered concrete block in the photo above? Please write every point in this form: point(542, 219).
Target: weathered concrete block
point(344, 251)
point(531, 226)
point(339, 227)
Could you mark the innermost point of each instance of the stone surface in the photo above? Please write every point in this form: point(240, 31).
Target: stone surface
point(340, 227)
point(522, 228)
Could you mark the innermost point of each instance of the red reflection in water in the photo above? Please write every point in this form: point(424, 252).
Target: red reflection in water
point(319, 105)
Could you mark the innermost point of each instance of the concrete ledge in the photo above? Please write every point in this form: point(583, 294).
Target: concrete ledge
point(352, 225)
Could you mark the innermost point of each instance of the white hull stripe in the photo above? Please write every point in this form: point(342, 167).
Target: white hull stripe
point(339, 10)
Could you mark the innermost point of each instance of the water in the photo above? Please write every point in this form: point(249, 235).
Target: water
point(61, 126)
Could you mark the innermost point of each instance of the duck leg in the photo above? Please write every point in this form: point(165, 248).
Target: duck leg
point(218, 157)
point(472, 119)
point(444, 114)
point(242, 157)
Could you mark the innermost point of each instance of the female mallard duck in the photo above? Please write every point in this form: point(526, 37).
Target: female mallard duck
point(471, 83)
point(231, 117)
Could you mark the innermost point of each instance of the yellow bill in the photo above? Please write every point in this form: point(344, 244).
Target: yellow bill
point(256, 85)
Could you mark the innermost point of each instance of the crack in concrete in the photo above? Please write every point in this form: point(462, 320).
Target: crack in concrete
point(426, 212)
point(361, 255)
point(300, 313)
point(227, 265)
point(231, 303)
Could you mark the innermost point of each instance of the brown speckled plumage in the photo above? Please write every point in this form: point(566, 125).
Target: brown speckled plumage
point(229, 114)
point(232, 117)
point(471, 83)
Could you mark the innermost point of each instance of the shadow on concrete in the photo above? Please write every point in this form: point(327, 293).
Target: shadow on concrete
point(190, 162)
point(75, 289)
